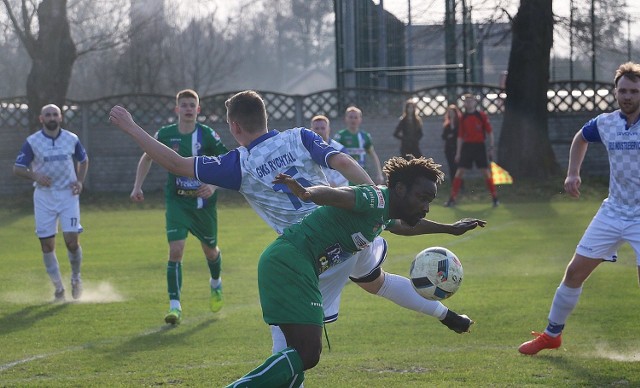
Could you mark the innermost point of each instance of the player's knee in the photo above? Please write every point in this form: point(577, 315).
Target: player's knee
point(175, 254)
point(213, 254)
point(310, 356)
point(47, 245)
point(72, 246)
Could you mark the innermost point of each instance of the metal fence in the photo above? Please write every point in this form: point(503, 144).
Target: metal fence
point(563, 96)
point(113, 156)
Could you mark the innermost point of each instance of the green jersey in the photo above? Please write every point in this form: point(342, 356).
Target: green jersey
point(202, 141)
point(355, 144)
point(332, 235)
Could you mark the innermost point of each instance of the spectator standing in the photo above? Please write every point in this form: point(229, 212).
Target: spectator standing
point(57, 163)
point(409, 130)
point(450, 136)
point(471, 149)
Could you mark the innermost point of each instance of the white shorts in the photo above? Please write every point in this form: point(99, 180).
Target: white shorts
point(53, 205)
point(605, 234)
point(333, 280)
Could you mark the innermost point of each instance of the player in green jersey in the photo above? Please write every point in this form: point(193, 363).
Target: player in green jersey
point(357, 143)
point(348, 220)
point(190, 204)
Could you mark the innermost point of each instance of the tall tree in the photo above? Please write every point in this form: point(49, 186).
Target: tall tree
point(52, 52)
point(44, 30)
point(525, 149)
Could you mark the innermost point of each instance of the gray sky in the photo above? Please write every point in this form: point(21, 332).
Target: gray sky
point(432, 11)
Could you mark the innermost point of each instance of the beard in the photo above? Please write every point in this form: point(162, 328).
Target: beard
point(52, 125)
point(629, 108)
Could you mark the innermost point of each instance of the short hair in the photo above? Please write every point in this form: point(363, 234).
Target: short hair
point(468, 95)
point(407, 169)
point(247, 109)
point(630, 70)
point(353, 109)
point(320, 118)
point(51, 106)
point(187, 93)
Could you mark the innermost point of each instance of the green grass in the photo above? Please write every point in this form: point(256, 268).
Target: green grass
point(116, 335)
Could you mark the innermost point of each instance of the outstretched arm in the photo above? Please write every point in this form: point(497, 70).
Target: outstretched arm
point(342, 197)
point(161, 154)
point(425, 226)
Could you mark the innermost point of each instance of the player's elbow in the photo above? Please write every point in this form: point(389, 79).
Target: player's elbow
point(340, 161)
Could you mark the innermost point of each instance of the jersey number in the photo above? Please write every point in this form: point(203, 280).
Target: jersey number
point(295, 201)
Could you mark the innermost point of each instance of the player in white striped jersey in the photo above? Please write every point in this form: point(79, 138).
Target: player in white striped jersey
point(57, 163)
point(618, 219)
point(299, 153)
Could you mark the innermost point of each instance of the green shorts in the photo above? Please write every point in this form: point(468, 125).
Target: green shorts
point(288, 286)
point(202, 223)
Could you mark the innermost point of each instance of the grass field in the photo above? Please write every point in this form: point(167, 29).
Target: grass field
point(115, 336)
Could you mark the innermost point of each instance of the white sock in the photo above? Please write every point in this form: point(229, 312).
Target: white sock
point(75, 259)
point(277, 336)
point(175, 304)
point(215, 283)
point(564, 301)
point(53, 269)
point(400, 291)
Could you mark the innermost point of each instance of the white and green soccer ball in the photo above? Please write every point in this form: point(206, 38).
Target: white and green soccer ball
point(436, 273)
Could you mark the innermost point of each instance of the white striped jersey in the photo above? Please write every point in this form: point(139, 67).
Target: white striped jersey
point(622, 143)
point(54, 157)
point(297, 152)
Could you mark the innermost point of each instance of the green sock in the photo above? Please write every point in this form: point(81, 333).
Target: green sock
point(174, 280)
point(280, 370)
point(215, 266)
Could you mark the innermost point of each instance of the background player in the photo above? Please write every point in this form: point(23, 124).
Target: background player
point(320, 124)
point(57, 163)
point(357, 142)
point(190, 204)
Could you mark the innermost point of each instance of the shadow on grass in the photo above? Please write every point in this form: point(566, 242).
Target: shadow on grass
point(24, 319)
point(164, 337)
point(583, 376)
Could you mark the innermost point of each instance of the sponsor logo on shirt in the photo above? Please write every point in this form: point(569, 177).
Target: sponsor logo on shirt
point(333, 255)
point(275, 164)
point(55, 158)
point(623, 145)
point(380, 197)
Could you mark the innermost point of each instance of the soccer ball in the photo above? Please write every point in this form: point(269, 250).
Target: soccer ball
point(436, 273)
